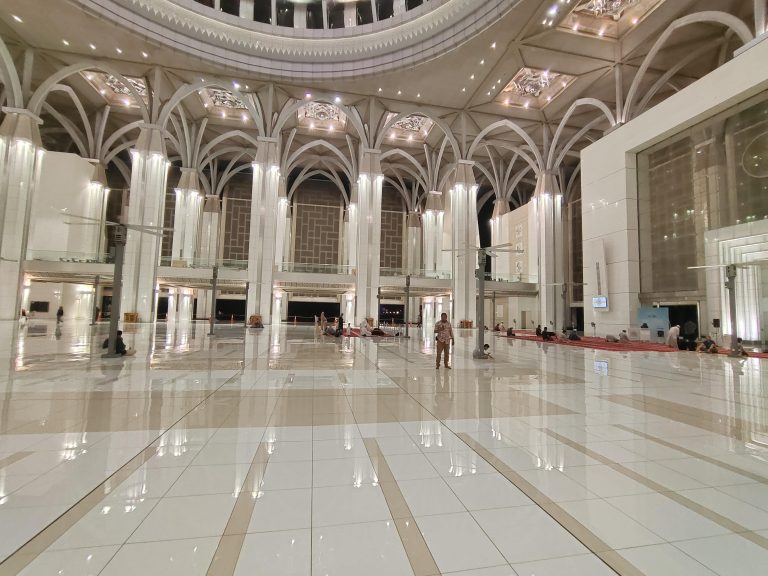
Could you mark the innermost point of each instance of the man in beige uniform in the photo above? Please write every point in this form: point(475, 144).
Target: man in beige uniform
point(444, 339)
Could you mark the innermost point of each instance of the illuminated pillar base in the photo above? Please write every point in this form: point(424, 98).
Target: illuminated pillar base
point(368, 254)
point(549, 223)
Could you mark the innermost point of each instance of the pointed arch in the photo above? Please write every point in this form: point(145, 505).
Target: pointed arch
point(10, 78)
point(320, 144)
point(517, 130)
point(292, 107)
point(594, 102)
point(714, 17)
point(42, 92)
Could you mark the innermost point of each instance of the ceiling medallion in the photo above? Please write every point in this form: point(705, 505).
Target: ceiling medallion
point(321, 115)
point(605, 8)
point(115, 91)
point(534, 88)
point(412, 128)
point(530, 82)
point(220, 98)
point(118, 87)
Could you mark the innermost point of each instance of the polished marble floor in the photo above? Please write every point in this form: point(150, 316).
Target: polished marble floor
point(286, 453)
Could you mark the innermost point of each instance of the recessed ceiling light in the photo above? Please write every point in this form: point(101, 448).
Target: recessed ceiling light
point(118, 50)
point(245, 118)
point(410, 137)
point(463, 89)
point(236, 85)
point(489, 93)
point(330, 128)
point(482, 62)
point(17, 18)
point(127, 102)
point(472, 77)
point(526, 105)
point(66, 43)
point(246, 87)
point(379, 89)
point(635, 21)
point(92, 47)
point(337, 99)
point(418, 95)
point(102, 91)
point(223, 114)
point(506, 102)
point(311, 125)
point(145, 55)
point(493, 46)
point(308, 95)
point(399, 92)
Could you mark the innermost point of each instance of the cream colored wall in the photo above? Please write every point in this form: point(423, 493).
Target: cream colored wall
point(609, 179)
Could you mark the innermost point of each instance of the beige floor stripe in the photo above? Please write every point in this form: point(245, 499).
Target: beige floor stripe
point(589, 539)
point(13, 458)
point(20, 559)
point(421, 559)
point(694, 454)
point(723, 521)
point(227, 554)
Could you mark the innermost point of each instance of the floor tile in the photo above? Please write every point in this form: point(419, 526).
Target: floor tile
point(611, 525)
point(282, 510)
point(336, 505)
point(189, 557)
point(664, 559)
point(286, 553)
point(88, 561)
point(487, 491)
point(215, 479)
point(586, 565)
point(729, 555)
point(186, 517)
point(458, 543)
point(527, 533)
point(429, 496)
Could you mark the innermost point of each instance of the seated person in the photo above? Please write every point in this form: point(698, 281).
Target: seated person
point(738, 348)
point(573, 335)
point(547, 336)
point(502, 328)
point(119, 345)
point(365, 329)
point(510, 333)
point(624, 337)
point(611, 338)
point(496, 328)
point(487, 350)
point(708, 345)
point(538, 330)
point(255, 321)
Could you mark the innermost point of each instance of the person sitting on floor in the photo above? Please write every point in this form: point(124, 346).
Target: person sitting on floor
point(738, 348)
point(120, 347)
point(538, 330)
point(707, 345)
point(365, 329)
point(573, 335)
point(547, 336)
point(624, 337)
point(510, 333)
point(611, 338)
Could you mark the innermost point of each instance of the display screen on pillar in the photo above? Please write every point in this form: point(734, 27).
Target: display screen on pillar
point(600, 302)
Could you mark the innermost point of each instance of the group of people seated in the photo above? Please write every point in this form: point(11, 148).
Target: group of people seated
point(622, 338)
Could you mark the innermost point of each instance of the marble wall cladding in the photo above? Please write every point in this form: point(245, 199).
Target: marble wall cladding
point(318, 212)
point(170, 207)
point(237, 222)
point(392, 223)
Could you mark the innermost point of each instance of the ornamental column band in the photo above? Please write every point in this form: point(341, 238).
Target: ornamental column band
point(466, 240)
point(547, 205)
point(186, 217)
point(432, 233)
point(263, 233)
point(146, 203)
point(368, 236)
point(21, 155)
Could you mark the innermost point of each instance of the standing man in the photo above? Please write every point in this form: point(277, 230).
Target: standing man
point(444, 337)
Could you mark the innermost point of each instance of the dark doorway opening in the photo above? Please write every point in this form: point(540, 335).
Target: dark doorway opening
point(391, 312)
point(687, 317)
point(305, 312)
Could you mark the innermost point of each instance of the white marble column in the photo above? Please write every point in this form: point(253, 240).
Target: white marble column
point(283, 223)
point(149, 176)
point(414, 243)
point(547, 205)
point(263, 233)
point(432, 232)
point(350, 231)
point(465, 240)
point(368, 237)
point(186, 218)
point(210, 232)
point(499, 236)
point(21, 155)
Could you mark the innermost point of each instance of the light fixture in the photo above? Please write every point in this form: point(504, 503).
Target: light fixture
point(102, 92)
point(126, 102)
point(482, 62)
point(337, 99)
point(65, 42)
point(223, 114)
point(493, 46)
point(92, 47)
point(145, 55)
point(330, 128)
point(311, 125)
point(463, 89)
point(472, 77)
point(308, 95)
point(19, 20)
point(245, 118)
point(418, 95)
point(379, 89)
point(399, 92)
point(236, 85)
point(119, 51)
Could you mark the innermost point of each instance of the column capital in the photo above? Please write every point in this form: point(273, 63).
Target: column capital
point(21, 124)
point(151, 140)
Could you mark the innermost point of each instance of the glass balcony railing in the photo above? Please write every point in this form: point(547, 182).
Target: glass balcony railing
point(432, 274)
point(523, 278)
point(63, 256)
point(203, 263)
point(314, 268)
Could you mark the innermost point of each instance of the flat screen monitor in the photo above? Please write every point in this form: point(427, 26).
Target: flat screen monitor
point(600, 302)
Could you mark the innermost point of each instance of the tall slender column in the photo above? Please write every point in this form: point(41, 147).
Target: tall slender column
point(209, 248)
point(283, 224)
point(414, 243)
point(21, 155)
point(350, 231)
point(149, 176)
point(263, 233)
point(432, 232)
point(465, 240)
point(186, 217)
point(499, 236)
point(368, 236)
point(548, 205)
